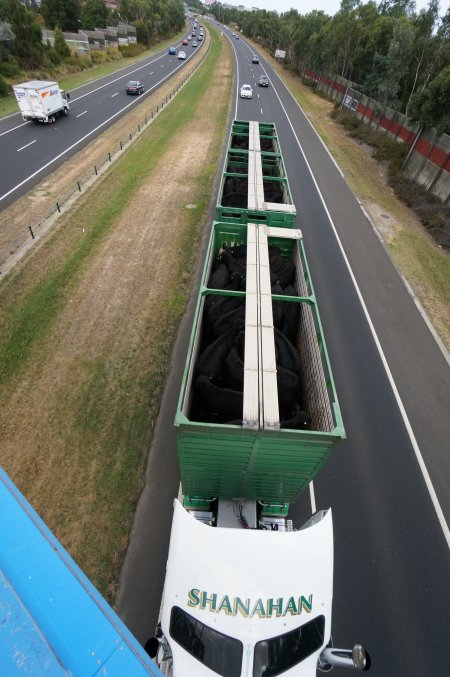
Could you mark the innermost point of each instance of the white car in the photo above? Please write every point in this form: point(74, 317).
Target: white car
point(246, 92)
point(181, 55)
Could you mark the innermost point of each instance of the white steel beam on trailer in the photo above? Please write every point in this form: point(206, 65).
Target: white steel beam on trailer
point(260, 374)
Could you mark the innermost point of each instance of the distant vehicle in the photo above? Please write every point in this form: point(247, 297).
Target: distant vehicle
point(234, 34)
point(184, 41)
point(135, 87)
point(172, 50)
point(195, 44)
point(181, 55)
point(246, 92)
point(237, 37)
point(255, 59)
point(200, 38)
point(41, 101)
point(263, 81)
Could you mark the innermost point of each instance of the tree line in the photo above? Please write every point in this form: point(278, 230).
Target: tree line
point(25, 50)
point(392, 53)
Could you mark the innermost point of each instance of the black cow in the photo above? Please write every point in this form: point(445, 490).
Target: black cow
point(211, 361)
point(288, 391)
point(277, 306)
point(222, 404)
point(234, 369)
point(300, 421)
point(286, 355)
point(219, 278)
point(233, 319)
point(291, 314)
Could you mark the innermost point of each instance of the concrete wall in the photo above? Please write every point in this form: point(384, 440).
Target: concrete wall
point(428, 162)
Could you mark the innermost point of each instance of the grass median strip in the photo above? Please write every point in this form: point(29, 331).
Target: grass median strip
point(89, 321)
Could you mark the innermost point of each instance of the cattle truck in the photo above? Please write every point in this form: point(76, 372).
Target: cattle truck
point(41, 101)
point(245, 592)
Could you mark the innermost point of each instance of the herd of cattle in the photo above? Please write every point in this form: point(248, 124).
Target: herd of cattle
point(219, 370)
point(235, 189)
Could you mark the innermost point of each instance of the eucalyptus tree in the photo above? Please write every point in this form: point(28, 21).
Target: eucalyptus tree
point(64, 13)
point(27, 44)
point(288, 26)
point(308, 39)
point(426, 47)
point(94, 14)
point(340, 38)
point(431, 106)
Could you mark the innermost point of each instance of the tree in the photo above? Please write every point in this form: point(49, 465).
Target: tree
point(28, 35)
point(431, 107)
point(94, 14)
point(397, 8)
point(60, 45)
point(143, 32)
point(64, 13)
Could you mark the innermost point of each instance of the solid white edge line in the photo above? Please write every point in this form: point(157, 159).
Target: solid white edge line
point(421, 462)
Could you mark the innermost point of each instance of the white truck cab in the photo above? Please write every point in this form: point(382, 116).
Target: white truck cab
point(248, 602)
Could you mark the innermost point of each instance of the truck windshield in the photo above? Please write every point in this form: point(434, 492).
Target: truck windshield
point(218, 652)
point(274, 656)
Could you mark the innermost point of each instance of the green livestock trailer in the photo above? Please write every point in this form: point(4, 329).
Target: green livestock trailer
point(254, 186)
point(255, 457)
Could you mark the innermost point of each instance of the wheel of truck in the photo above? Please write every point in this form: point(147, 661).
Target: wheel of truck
point(66, 111)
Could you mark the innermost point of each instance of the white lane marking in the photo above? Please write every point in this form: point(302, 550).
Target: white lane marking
point(151, 73)
point(28, 144)
point(404, 415)
point(14, 128)
point(261, 111)
point(80, 114)
point(312, 497)
point(162, 66)
point(74, 145)
point(113, 95)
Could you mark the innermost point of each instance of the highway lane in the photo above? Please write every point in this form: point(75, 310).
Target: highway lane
point(30, 151)
point(392, 559)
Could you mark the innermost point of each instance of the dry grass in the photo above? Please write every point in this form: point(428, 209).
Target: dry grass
point(77, 404)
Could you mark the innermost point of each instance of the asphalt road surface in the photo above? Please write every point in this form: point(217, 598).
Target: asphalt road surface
point(388, 483)
point(29, 151)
